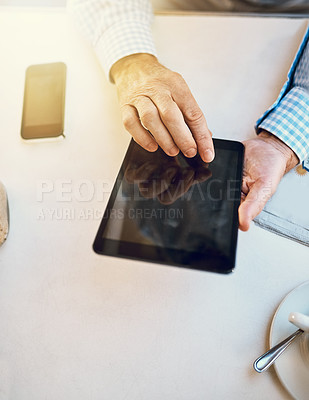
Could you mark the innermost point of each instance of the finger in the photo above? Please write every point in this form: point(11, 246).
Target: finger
point(132, 124)
point(150, 119)
point(254, 202)
point(246, 184)
point(196, 121)
point(172, 118)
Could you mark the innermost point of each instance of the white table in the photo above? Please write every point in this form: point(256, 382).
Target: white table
point(75, 325)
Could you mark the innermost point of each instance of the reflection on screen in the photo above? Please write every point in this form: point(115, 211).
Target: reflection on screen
point(176, 203)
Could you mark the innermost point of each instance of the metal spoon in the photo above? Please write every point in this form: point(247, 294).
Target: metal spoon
point(298, 319)
point(267, 359)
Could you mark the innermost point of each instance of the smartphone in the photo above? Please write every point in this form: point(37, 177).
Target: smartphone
point(44, 101)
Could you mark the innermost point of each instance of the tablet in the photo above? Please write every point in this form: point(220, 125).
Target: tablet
point(175, 210)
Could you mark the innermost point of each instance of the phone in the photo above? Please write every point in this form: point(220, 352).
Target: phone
point(44, 101)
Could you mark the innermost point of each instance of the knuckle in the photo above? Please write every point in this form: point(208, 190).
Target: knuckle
point(202, 137)
point(194, 115)
point(178, 76)
point(128, 122)
point(147, 117)
point(167, 115)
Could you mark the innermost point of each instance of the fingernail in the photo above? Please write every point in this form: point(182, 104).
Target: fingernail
point(152, 147)
point(191, 152)
point(173, 151)
point(208, 155)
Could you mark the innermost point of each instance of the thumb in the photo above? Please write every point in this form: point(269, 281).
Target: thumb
point(259, 193)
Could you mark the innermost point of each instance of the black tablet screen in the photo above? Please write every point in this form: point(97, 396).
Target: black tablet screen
point(175, 210)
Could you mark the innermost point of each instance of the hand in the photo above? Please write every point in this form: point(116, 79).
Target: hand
point(160, 176)
point(267, 159)
point(159, 109)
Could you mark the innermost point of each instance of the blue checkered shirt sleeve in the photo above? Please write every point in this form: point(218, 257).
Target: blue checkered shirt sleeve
point(116, 28)
point(288, 117)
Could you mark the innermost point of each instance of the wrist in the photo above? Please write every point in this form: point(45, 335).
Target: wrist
point(131, 64)
point(289, 155)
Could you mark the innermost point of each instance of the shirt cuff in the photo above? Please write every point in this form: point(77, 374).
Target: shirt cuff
point(289, 121)
point(123, 39)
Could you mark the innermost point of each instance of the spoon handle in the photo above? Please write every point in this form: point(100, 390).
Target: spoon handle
point(267, 359)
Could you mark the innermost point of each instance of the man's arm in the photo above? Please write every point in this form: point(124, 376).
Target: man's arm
point(156, 104)
point(283, 140)
point(115, 28)
point(288, 117)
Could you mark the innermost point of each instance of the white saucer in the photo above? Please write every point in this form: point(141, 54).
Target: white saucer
point(292, 366)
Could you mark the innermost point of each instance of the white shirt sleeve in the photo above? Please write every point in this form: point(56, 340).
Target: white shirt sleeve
point(116, 28)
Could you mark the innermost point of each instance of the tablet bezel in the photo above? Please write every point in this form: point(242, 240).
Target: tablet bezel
point(153, 253)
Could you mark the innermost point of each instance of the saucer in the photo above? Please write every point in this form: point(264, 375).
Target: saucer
point(292, 367)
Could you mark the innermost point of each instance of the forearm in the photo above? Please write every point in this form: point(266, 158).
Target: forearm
point(289, 121)
point(288, 118)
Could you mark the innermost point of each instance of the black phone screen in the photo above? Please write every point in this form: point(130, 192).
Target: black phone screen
point(175, 210)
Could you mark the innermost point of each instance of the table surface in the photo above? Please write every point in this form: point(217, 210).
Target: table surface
point(76, 325)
